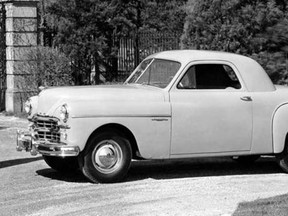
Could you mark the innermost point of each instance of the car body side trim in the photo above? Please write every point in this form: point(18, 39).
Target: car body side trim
point(121, 116)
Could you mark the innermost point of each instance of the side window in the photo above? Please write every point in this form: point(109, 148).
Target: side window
point(209, 76)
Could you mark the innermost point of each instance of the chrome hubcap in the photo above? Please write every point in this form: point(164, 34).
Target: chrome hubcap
point(107, 156)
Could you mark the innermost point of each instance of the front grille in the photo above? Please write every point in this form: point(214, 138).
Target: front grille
point(46, 128)
point(47, 124)
point(50, 136)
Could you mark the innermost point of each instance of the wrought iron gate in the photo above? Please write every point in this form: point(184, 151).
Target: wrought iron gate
point(134, 49)
point(2, 57)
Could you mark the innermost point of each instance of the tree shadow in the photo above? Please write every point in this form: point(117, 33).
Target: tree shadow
point(277, 206)
point(175, 169)
point(15, 162)
point(3, 127)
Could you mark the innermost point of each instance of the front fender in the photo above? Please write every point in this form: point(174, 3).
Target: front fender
point(280, 128)
point(152, 134)
point(149, 122)
point(34, 104)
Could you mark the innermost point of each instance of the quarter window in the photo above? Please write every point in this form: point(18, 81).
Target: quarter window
point(209, 76)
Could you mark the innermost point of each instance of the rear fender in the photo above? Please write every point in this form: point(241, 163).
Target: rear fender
point(280, 128)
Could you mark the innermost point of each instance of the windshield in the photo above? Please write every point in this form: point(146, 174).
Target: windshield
point(155, 72)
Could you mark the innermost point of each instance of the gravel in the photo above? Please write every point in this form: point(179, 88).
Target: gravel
point(211, 186)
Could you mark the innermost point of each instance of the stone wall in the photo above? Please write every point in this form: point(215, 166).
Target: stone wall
point(21, 35)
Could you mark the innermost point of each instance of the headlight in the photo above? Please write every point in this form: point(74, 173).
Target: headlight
point(28, 107)
point(64, 113)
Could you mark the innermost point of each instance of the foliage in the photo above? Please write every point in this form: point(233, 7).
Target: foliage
point(45, 66)
point(254, 28)
point(276, 65)
point(89, 31)
point(162, 16)
point(81, 27)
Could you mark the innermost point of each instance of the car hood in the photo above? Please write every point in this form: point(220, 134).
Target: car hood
point(51, 98)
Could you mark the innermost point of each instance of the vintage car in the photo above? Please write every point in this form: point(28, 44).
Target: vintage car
point(176, 104)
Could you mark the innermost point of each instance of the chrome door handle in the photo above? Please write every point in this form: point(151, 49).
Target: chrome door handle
point(246, 98)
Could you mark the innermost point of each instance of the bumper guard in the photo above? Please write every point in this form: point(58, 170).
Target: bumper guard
point(25, 141)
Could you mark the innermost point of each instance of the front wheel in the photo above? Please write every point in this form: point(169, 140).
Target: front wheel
point(107, 158)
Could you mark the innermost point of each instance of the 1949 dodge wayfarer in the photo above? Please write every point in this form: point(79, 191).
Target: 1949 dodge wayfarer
point(176, 104)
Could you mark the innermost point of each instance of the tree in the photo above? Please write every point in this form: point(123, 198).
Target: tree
point(254, 28)
point(165, 16)
point(83, 32)
point(89, 31)
point(152, 15)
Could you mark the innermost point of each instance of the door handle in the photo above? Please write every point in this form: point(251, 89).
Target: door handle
point(246, 98)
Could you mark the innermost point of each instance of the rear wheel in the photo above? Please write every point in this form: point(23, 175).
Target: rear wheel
point(107, 158)
point(67, 164)
point(283, 163)
point(282, 159)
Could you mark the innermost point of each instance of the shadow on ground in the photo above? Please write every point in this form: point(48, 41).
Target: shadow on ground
point(199, 168)
point(273, 206)
point(15, 162)
point(173, 169)
point(76, 176)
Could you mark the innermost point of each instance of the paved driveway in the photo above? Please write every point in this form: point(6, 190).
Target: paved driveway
point(192, 187)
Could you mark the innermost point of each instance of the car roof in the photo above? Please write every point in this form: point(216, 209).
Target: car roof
point(250, 70)
point(185, 56)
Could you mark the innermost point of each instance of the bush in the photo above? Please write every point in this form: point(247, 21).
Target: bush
point(275, 64)
point(42, 66)
point(258, 29)
point(45, 66)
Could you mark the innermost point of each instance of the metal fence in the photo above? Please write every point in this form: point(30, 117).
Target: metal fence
point(2, 57)
point(132, 50)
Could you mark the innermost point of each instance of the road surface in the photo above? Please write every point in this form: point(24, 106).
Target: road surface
point(212, 186)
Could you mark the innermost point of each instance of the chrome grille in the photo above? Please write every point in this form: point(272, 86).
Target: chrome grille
point(50, 136)
point(46, 128)
point(47, 124)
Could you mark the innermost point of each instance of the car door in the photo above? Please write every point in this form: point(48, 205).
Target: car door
point(211, 110)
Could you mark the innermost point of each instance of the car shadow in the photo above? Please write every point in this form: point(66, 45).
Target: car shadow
point(199, 167)
point(3, 127)
point(276, 205)
point(75, 177)
point(15, 162)
point(173, 169)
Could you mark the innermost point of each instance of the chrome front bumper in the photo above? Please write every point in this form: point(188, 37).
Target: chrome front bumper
point(25, 141)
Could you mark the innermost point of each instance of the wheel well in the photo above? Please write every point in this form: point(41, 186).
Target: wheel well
point(121, 130)
point(285, 146)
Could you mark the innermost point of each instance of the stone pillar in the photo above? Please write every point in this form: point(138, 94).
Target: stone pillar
point(21, 35)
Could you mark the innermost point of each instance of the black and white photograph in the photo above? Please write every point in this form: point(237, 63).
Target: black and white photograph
point(144, 107)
